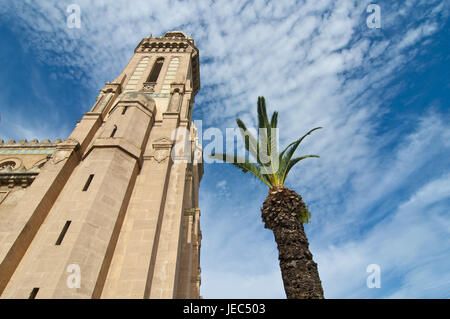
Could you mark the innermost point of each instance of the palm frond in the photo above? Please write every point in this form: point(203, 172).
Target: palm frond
point(250, 141)
point(274, 120)
point(268, 140)
point(263, 121)
point(284, 160)
point(297, 142)
point(244, 165)
point(273, 169)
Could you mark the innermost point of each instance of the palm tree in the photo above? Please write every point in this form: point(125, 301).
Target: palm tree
point(283, 211)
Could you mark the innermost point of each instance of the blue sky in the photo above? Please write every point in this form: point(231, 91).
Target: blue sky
point(379, 194)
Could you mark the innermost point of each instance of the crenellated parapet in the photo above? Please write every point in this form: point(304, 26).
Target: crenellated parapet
point(21, 162)
point(32, 144)
point(174, 41)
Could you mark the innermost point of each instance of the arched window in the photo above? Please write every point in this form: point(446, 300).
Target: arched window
point(11, 164)
point(175, 101)
point(156, 70)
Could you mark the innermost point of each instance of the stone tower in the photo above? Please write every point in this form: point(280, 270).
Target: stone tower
point(112, 211)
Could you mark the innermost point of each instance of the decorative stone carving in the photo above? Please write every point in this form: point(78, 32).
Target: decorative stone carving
point(149, 87)
point(162, 148)
point(174, 102)
point(189, 212)
point(10, 164)
point(162, 142)
point(64, 149)
point(60, 156)
point(112, 87)
point(13, 173)
point(68, 144)
point(7, 168)
point(161, 155)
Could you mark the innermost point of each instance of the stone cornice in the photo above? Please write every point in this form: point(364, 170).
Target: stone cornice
point(167, 43)
point(117, 142)
point(68, 144)
point(136, 99)
point(189, 212)
point(162, 143)
point(20, 176)
point(12, 180)
point(12, 144)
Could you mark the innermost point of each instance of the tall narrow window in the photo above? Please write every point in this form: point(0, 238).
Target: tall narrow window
point(155, 70)
point(114, 131)
point(33, 293)
point(88, 182)
point(124, 110)
point(63, 233)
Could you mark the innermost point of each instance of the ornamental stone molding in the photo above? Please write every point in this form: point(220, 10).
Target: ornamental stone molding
point(13, 173)
point(141, 99)
point(189, 212)
point(149, 87)
point(162, 148)
point(111, 87)
point(177, 86)
point(59, 156)
point(32, 144)
point(161, 155)
point(162, 142)
point(12, 163)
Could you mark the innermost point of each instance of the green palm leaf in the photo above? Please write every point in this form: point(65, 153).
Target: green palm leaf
point(244, 165)
point(289, 151)
point(250, 142)
point(274, 168)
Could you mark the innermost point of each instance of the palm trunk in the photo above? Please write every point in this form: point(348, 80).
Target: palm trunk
point(280, 213)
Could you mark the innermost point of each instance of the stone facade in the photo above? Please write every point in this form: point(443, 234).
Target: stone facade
point(114, 200)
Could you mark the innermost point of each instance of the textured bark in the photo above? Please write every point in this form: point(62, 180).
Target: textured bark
point(280, 213)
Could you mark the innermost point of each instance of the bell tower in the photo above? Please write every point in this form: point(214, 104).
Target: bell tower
point(113, 212)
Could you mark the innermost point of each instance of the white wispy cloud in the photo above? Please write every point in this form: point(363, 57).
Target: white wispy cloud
point(408, 245)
